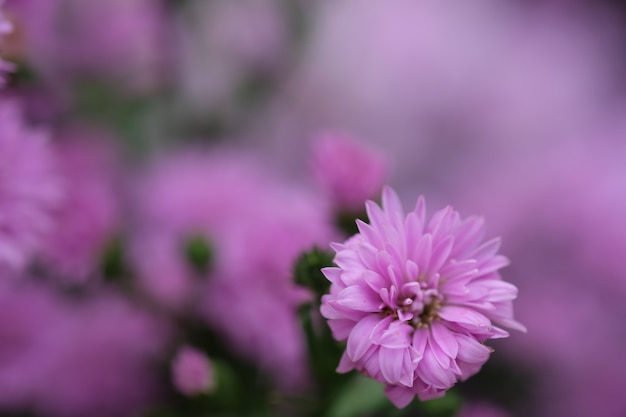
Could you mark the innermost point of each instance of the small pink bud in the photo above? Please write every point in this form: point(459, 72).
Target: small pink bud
point(347, 171)
point(192, 372)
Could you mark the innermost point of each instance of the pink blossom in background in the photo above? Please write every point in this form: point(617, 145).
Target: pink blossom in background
point(256, 225)
point(561, 214)
point(224, 44)
point(88, 217)
point(192, 372)
point(67, 359)
point(26, 332)
point(122, 40)
point(182, 195)
point(5, 28)
point(415, 300)
point(445, 89)
point(255, 274)
point(29, 188)
point(265, 329)
point(258, 254)
point(33, 28)
point(348, 172)
point(103, 362)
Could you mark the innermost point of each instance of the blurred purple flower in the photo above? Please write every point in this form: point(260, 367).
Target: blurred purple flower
point(67, 359)
point(347, 171)
point(444, 87)
point(224, 44)
point(561, 214)
point(5, 24)
point(265, 326)
point(181, 196)
point(103, 362)
point(89, 214)
point(416, 300)
point(233, 203)
point(123, 40)
point(33, 38)
point(192, 372)
point(265, 329)
point(5, 28)
point(26, 332)
point(29, 188)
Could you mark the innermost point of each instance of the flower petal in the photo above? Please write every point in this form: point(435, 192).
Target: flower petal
point(345, 364)
point(464, 316)
point(359, 339)
point(471, 350)
point(400, 396)
point(360, 298)
point(445, 339)
point(391, 364)
point(423, 252)
point(397, 336)
point(393, 208)
point(432, 373)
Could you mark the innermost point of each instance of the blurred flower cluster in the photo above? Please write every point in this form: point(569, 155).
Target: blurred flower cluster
point(197, 219)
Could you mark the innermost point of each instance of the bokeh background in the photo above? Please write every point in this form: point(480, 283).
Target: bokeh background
point(161, 171)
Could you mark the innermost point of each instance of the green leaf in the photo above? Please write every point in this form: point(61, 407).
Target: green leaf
point(361, 396)
point(446, 406)
point(112, 263)
point(308, 272)
point(199, 254)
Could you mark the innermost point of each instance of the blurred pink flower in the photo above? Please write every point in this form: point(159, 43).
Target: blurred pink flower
point(26, 332)
point(561, 214)
point(5, 28)
point(123, 40)
point(183, 195)
point(445, 88)
point(224, 44)
point(70, 359)
point(231, 201)
point(347, 171)
point(102, 364)
point(416, 299)
point(192, 372)
point(265, 327)
point(29, 189)
point(89, 214)
point(5, 24)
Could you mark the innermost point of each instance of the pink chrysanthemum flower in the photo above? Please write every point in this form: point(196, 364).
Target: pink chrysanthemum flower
point(416, 299)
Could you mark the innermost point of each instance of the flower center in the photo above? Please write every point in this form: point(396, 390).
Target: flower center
point(416, 305)
point(429, 313)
